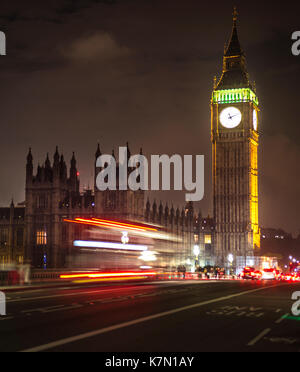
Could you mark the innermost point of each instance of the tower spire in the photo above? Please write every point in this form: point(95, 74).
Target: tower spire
point(235, 73)
point(73, 169)
point(233, 47)
point(29, 166)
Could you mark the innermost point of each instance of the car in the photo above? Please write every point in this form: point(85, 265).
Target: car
point(257, 275)
point(286, 277)
point(248, 273)
point(277, 274)
point(268, 274)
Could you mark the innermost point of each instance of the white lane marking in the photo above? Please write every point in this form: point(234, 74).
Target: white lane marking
point(283, 340)
point(106, 300)
point(69, 294)
point(42, 309)
point(282, 318)
point(6, 318)
point(52, 309)
point(27, 291)
point(98, 332)
point(178, 282)
point(255, 315)
point(71, 307)
point(259, 337)
point(95, 292)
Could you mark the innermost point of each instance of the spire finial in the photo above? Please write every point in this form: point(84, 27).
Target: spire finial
point(235, 14)
point(29, 156)
point(73, 161)
point(98, 151)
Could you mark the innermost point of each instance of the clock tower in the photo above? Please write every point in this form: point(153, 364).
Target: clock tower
point(235, 138)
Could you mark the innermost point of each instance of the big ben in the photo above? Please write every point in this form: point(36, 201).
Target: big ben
point(235, 138)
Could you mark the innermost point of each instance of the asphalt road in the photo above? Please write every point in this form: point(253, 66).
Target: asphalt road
point(175, 316)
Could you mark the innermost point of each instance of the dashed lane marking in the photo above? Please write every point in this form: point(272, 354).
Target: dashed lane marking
point(98, 332)
point(259, 337)
point(108, 300)
point(6, 318)
point(283, 340)
point(282, 318)
point(248, 312)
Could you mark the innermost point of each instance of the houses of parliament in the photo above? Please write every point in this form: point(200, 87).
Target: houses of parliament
point(35, 231)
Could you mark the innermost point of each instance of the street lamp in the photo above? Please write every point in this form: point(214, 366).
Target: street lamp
point(196, 250)
point(230, 260)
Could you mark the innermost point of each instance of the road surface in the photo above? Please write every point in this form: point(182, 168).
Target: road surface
point(163, 316)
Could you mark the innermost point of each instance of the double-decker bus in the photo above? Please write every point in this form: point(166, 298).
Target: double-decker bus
point(102, 244)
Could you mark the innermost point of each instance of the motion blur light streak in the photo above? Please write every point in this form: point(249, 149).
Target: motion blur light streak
point(112, 224)
point(81, 222)
point(102, 224)
point(107, 275)
point(120, 275)
point(125, 278)
point(149, 232)
point(122, 224)
point(148, 256)
point(107, 245)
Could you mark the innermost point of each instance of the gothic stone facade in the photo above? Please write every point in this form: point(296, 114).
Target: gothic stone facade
point(12, 234)
point(53, 194)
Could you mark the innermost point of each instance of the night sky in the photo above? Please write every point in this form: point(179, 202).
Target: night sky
point(79, 72)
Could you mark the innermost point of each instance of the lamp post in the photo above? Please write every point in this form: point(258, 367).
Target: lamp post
point(230, 260)
point(196, 253)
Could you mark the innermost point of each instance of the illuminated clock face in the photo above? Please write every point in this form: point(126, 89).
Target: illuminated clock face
point(230, 117)
point(255, 120)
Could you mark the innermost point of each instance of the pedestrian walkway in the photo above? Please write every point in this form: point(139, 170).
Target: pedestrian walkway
point(15, 288)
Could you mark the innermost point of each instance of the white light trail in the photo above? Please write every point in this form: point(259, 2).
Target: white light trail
point(108, 245)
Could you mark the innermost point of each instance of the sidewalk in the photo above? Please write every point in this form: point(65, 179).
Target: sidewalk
point(33, 286)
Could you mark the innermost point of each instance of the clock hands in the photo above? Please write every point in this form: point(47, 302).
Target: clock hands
point(230, 117)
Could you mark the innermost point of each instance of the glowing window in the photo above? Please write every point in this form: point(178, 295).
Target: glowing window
point(207, 239)
point(41, 237)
